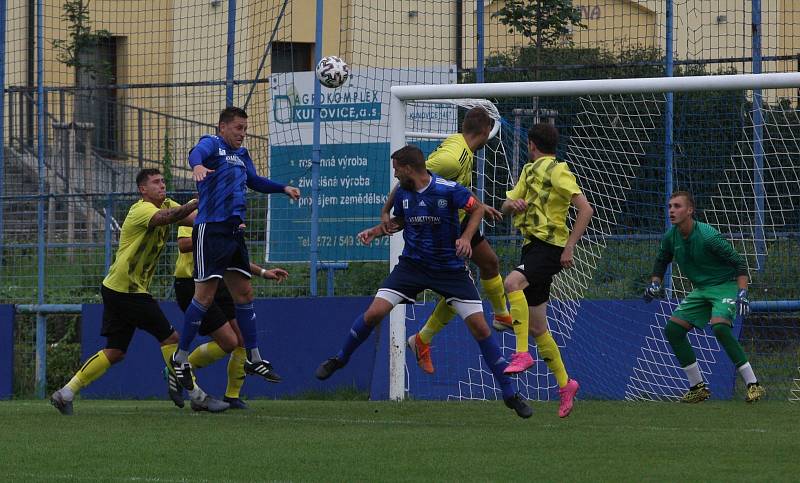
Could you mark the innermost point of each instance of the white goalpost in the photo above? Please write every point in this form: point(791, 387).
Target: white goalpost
point(616, 129)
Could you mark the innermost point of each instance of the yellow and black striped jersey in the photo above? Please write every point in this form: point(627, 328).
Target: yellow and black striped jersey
point(548, 186)
point(184, 265)
point(139, 249)
point(452, 160)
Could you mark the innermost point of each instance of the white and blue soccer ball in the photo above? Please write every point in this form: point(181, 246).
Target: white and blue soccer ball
point(332, 71)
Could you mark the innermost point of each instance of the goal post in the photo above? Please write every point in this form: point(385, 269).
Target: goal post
point(617, 125)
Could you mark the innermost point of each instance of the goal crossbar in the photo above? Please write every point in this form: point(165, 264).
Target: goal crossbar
point(599, 86)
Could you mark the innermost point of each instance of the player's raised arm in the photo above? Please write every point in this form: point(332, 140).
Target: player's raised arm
point(173, 215)
point(202, 151)
point(265, 185)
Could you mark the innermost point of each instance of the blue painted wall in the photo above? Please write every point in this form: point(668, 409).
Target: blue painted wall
point(601, 356)
point(297, 334)
point(6, 351)
point(294, 334)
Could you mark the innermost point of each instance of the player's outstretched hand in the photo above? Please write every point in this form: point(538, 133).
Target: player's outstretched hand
point(200, 172)
point(366, 236)
point(292, 192)
point(277, 274)
point(464, 247)
point(518, 206)
point(492, 214)
point(387, 227)
point(742, 303)
point(652, 291)
point(567, 260)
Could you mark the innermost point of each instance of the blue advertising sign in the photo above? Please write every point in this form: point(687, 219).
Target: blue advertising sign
point(354, 179)
point(354, 185)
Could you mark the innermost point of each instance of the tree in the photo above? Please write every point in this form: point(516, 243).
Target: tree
point(81, 36)
point(546, 22)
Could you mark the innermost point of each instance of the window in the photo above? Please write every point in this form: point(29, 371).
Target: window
point(97, 105)
point(292, 57)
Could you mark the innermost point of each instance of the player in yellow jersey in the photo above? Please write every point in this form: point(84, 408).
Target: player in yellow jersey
point(453, 161)
point(540, 201)
point(219, 323)
point(127, 304)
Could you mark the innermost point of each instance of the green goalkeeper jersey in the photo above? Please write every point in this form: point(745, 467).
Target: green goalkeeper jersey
point(705, 257)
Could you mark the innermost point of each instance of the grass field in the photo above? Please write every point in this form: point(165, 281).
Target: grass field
point(410, 441)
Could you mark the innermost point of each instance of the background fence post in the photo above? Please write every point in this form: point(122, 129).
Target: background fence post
point(41, 320)
point(2, 121)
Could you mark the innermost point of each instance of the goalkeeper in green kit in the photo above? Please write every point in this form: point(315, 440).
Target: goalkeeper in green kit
point(719, 280)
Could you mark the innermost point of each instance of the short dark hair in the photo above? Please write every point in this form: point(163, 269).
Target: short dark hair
point(476, 121)
point(685, 194)
point(145, 174)
point(230, 113)
point(544, 136)
point(410, 155)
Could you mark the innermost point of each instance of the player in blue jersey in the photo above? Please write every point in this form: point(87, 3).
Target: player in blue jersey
point(426, 209)
point(223, 170)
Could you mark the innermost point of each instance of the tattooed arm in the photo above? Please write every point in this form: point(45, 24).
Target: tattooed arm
point(181, 214)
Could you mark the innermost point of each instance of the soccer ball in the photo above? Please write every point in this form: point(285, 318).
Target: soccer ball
point(332, 71)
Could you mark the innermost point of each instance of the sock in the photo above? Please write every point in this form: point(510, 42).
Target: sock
point(206, 354)
point(493, 288)
point(693, 374)
point(747, 373)
point(166, 352)
point(93, 368)
point(437, 321)
point(235, 373)
point(497, 364)
point(548, 351)
point(252, 355)
point(181, 355)
point(676, 336)
point(520, 314)
point(196, 394)
point(357, 335)
point(191, 324)
point(247, 325)
point(732, 347)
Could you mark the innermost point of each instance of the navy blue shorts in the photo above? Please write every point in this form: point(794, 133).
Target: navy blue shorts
point(409, 278)
point(218, 247)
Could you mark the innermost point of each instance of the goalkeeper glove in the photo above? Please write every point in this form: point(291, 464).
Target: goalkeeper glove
point(742, 303)
point(652, 291)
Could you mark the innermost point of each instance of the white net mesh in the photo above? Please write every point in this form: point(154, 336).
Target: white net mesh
point(615, 146)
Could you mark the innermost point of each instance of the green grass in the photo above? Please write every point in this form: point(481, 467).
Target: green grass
point(410, 441)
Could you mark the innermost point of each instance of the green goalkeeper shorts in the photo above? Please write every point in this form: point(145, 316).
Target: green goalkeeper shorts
point(702, 304)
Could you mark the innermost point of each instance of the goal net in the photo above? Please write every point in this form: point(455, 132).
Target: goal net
point(734, 148)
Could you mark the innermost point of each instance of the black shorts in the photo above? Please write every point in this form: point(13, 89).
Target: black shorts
point(123, 313)
point(539, 262)
point(222, 309)
point(477, 237)
point(218, 247)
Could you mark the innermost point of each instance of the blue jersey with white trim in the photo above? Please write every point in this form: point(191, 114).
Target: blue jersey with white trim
point(431, 225)
point(222, 192)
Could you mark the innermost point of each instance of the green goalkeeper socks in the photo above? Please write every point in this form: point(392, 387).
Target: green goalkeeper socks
point(676, 336)
point(729, 343)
